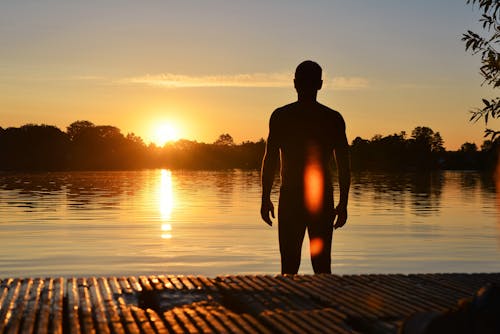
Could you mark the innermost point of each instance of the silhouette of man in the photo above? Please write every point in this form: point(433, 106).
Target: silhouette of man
point(306, 136)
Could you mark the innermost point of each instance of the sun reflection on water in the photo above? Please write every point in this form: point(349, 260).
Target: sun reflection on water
point(166, 203)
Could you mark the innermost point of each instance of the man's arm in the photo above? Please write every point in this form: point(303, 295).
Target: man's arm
point(268, 171)
point(344, 171)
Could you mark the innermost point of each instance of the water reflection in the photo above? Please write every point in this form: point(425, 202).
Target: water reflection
point(118, 223)
point(418, 193)
point(224, 183)
point(166, 202)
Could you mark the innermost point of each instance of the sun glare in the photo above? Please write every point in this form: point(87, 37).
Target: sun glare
point(165, 133)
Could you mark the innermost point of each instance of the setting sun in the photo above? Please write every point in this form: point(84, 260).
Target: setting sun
point(164, 133)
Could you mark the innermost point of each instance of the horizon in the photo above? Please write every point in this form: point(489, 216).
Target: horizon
point(204, 69)
point(173, 140)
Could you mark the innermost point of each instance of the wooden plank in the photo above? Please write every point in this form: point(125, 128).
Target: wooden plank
point(57, 306)
point(144, 282)
point(256, 325)
point(345, 300)
point(199, 321)
point(173, 323)
point(214, 323)
point(73, 306)
point(21, 303)
point(445, 281)
point(424, 298)
point(251, 283)
point(207, 283)
point(45, 306)
point(196, 282)
point(111, 308)
point(98, 309)
point(187, 283)
point(142, 320)
point(241, 322)
point(426, 289)
point(85, 307)
point(278, 324)
point(222, 284)
point(125, 285)
point(127, 317)
point(297, 318)
point(158, 324)
point(275, 325)
point(33, 305)
point(155, 282)
point(134, 283)
point(379, 298)
point(239, 284)
point(226, 322)
point(8, 302)
point(115, 286)
point(295, 288)
point(374, 298)
point(184, 320)
point(265, 281)
point(4, 291)
point(328, 323)
point(176, 282)
point(166, 282)
point(394, 299)
point(431, 296)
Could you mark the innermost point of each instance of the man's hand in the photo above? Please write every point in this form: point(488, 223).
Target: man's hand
point(266, 208)
point(341, 212)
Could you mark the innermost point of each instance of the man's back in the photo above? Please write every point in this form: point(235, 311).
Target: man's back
point(306, 134)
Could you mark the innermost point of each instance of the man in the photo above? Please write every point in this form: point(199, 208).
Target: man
point(305, 136)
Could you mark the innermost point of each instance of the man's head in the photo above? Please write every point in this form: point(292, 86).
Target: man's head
point(308, 78)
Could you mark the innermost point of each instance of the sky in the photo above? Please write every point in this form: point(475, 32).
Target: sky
point(204, 68)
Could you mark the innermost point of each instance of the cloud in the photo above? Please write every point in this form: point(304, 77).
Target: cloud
point(347, 83)
point(88, 78)
point(254, 80)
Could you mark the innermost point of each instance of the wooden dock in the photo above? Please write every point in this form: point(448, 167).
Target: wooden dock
point(228, 304)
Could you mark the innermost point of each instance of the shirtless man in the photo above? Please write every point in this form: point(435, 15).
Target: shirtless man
point(306, 136)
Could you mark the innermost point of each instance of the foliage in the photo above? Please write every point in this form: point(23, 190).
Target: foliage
point(224, 139)
point(430, 140)
point(486, 47)
point(86, 146)
point(34, 147)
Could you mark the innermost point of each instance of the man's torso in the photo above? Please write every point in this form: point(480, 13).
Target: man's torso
point(306, 136)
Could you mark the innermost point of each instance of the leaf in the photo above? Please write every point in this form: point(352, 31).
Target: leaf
point(486, 102)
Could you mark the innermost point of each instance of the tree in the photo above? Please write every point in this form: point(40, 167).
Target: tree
point(428, 138)
point(75, 129)
point(485, 46)
point(224, 139)
point(468, 147)
point(34, 147)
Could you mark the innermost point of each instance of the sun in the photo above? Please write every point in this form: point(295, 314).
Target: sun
point(164, 133)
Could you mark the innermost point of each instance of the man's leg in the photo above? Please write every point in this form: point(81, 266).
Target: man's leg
point(320, 244)
point(291, 236)
point(291, 230)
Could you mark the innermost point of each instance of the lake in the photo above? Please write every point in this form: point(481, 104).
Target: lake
point(208, 223)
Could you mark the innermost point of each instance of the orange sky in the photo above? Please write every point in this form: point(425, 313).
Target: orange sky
point(208, 68)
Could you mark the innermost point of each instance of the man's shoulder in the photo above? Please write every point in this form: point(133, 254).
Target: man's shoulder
point(329, 111)
point(283, 110)
point(289, 110)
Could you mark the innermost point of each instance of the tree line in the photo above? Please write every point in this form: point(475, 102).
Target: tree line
point(86, 146)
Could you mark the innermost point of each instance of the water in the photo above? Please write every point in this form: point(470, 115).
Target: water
point(207, 222)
